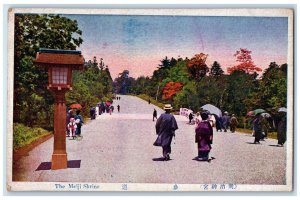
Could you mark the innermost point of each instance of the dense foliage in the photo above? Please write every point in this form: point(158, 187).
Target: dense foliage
point(191, 83)
point(90, 86)
point(24, 135)
point(33, 103)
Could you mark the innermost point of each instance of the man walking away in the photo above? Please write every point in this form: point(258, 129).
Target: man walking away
point(225, 120)
point(118, 108)
point(257, 128)
point(191, 117)
point(233, 123)
point(165, 127)
point(281, 130)
point(154, 114)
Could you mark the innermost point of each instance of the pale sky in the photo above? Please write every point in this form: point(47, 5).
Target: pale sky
point(138, 43)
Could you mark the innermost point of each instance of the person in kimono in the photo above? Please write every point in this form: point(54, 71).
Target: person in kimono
point(154, 114)
point(233, 123)
point(204, 137)
point(69, 116)
point(281, 130)
point(165, 127)
point(72, 127)
point(257, 127)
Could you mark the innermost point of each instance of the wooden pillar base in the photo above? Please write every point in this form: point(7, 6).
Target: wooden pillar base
point(59, 161)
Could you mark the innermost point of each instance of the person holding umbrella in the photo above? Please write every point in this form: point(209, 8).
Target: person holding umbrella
point(165, 129)
point(257, 128)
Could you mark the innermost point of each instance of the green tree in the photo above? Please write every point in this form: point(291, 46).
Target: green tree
point(272, 92)
point(216, 70)
point(33, 31)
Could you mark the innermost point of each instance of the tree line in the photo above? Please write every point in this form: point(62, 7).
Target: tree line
point(33, 103)
point(191, 83)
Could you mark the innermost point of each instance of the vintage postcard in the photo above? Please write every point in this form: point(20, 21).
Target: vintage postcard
point(150, 100)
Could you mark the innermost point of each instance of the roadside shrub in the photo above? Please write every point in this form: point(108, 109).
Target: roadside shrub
point(23, 135)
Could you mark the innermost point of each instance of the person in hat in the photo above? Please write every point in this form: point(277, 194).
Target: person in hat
point(166, 126)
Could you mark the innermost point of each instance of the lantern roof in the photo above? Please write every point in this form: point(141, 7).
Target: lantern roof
point(59, 58)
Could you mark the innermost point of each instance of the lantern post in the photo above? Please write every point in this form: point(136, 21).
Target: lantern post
point(60, 64)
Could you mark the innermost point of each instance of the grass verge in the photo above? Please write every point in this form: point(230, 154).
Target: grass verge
point(23, 135)
point(272, 135)
point(153, 101)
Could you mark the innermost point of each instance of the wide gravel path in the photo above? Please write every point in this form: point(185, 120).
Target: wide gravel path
point(118, 148)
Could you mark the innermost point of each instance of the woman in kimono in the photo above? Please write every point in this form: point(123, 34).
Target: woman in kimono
point(204, 137)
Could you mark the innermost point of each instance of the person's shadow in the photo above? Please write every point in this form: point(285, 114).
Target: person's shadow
point(209, 160)
point(160, 159)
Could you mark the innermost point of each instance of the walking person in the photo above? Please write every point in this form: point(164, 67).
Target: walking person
point(165, 128)
point(92, 113)
point(112, 108)
point(204, 137)
point(281, 130)
point(225, 120)
point(69, 116)
point(257, 129)
point(118, 107)
point(218, 123)
point(79, 122)
point(72, 127)
point(149, 101)
point(154, 114)
point(191, 116)
point(233, 123)
point(198, 118)
point(265, 127)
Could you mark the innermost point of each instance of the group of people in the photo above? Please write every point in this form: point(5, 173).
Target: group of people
point(166, 126)
point(261, 128)
point(224, 122)
point(74, 124)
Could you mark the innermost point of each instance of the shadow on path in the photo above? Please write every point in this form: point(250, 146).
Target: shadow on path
point(210, 159)
point(47, 165)
point(275, 145)
point(253, 143)
point(160, 159)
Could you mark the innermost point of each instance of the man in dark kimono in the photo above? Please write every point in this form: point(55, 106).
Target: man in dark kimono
point(154, 114)
point(166, 126)
point(281, 130)
point(257, 128)
point(225, 120)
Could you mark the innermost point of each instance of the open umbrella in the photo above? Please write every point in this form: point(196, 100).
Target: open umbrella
point(212, 109)
point(258, 111)
point(267, 115)
point(282, 109)
point(75, 106)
